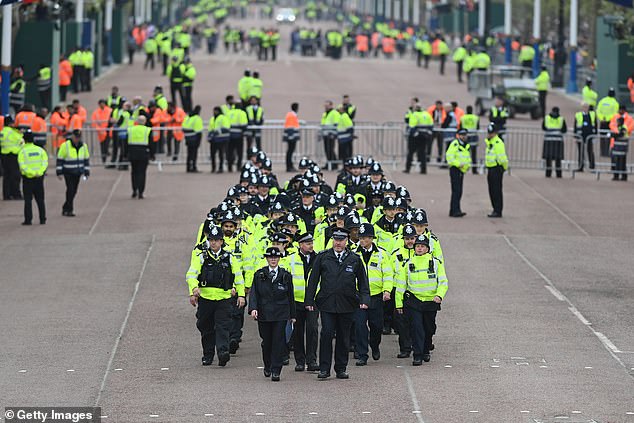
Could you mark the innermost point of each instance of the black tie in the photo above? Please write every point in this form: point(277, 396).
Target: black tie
point(273, 273)
point(340, 257)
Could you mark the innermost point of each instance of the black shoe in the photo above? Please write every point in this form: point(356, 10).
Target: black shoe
point(26, 223)
point(223, 359)
point(376, 355)
point(219, 171)
point(141, 197)
point(275, 377)
point(42, 221)
point(387, 331)
point(207, 361)
point(323, 375)
point(313, 367)
point(134, 194)
point(110, 166)
point(417, 363)
point(285, 362)
point(406, 171)
point(70, 214)
point(356, 356)
point(459, 214)
point(343, 375)
point(267, 373)
point(426, 358)
point(300, 368)
point(360, 362)
point(351, 348)
point(431, 347)
point(233, 346)
point(494, 214)
point(403, 355)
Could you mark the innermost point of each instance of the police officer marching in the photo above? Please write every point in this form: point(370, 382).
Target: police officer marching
point(459, 161)
point(73, 164)
point(496, 164)
point(343, 287)
point(33, 162)
point(554, 126)
point(140, 151)
point(272, 304)
point(420, 288)
point(214, 279)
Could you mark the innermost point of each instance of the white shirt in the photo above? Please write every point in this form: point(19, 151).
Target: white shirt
point(276, 270)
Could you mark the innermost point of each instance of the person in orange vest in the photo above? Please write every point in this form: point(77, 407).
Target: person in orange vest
point(291, 135)
point(39, 128)
point(75, 120)
point(175, 118)
point(81, 111)
point(362, 44)
point(628, 121)
point(458, 112)
point(388, 44)
point(59, 122)
point(65, 76)
point(438, 113)
point(157, 120)
point(375, 40)
point(25, 117)
point(100, 121)
point(630, 86)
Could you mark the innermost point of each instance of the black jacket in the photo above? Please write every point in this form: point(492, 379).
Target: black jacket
point(338, 292)
point(274, 300)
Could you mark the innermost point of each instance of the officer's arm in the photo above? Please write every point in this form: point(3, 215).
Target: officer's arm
point(401, 281)
point(441, 278)
point(313, 281)
point(564, 129)
point(387, 265)
point(253, 297)
point(195, 265)
point(291, 296)
point(238, 281)
point(363, 285)
point(61, 156)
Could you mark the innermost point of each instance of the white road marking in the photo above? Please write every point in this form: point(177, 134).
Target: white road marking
point(543, 367)
point(164, 369)
point(448, 366)
point(259, 414)
point(518, 358)
point(412, 394)
point(154, 415)
point(495, 366)
point(473, 411)
point(103, 209)
point(125, 322)
point(260, 367)
point(366, 412)
point(576, 412)
point(312, 413)
point(551, 204)
point(524, 411)
point(416, 412)
point(24, 371)
point(70, 370)
point(607, 344)
point(209, 415)
point(104, 417)
point(555, 292)
point(117, 370)
point(588, 367)
point(630, 413)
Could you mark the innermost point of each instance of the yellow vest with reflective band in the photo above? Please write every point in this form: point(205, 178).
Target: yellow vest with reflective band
point(33, 161)
point(424, 277)
point(380, 269)
point(607, 108)
point(495, 112)
point(139, 135)
point(254, 115)
point(496, 153)
point(459, 54)
point(211, 293)
point(10, 140)
point(73, 161)
point(579, 118)
point(88, 59)
point(459, 156)
point(542, 82)
point(590, 96)
point(552, 123)
point(295, 266)
point(44, 79)
point(193, 123)
point(526, 53)
point(469, 121)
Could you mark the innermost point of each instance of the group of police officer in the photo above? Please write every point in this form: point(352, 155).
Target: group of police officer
point(357, 256)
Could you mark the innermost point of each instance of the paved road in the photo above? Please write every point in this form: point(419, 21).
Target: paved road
point(536, 325)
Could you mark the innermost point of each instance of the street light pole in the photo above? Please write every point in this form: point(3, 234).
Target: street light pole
point(508, 52)
point(574, 14)
point(537, 25)
point(7, 21)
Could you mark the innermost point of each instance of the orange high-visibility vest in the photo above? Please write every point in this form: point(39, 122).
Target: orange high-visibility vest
point(630, 86)
point(25, 119)
point(388, 45)
point(39, 125)
point(58, 128)
point(362, 43)
point(65, 73)
point(628, 121)
point(99, 120)
point(83, 114)
point(291, 120)
point(443, 115)
point(458, 113)
point(75, 122)
point(176, 120)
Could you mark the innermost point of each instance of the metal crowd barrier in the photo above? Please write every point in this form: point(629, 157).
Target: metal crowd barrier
point(385, 142)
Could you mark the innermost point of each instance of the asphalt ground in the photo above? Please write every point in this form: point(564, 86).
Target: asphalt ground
point(536, 326)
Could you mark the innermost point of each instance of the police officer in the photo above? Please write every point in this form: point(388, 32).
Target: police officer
point(192, 128)
point(498, 115)
point(343, 287)
point(585, 127)
point(420, 135)
point(471, 122)
point(380, 271)
point(420, 288)
point(33, 162)
point(542, 84)
point(214, 279)
point(272, 304)
point(554, 126)
point(459, 160)
point(73, 163)
point(140, 151)
point(496, 163)
point(10, 145)
point(402, 256)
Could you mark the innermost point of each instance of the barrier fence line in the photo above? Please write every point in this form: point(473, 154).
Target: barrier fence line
point(385, 142)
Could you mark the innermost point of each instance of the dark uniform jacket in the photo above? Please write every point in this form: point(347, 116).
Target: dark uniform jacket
point(342, 286)
point(272, 299)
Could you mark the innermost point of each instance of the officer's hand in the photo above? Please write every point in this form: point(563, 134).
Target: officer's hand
point(60, 177)
point(233, 292)
point(293, 320)
point(437, 299)
point(399, 310)
point(363, 306)
point(386, 296)
point(310, 308)
point(254, 314)
point(241, 302)
point(193, 300)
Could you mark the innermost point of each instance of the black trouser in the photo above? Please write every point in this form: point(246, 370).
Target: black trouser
point(368, 325)
point(33, 188)
point(542, 101)
point(10, 177)
point(389, 307)
point(345, 150)
point(457, 177)
point(87, 79)
point(175, 88)
point(440, 139)
point(234, 151)
point(138, 170)
point(149, 59)
point(63, 90)
point(526, 66)
point(307, 323)
point(192, 152)
point(419, 58)
point(459, 70)
point(118, 147)
point(329, 149)
point(417, 145)
point(274, 350)
point(494, 180)
point(186, 97)
point(604, 141)
point(76, 79)
point(402, 326)
point(619, 164)
point(587, 144)
point(256, 137)
point(422, 328)
point(474, 158)
point(331, 323)
point(273, 53)
point(165, 62)
point(213, 322)
point(237, 322)
point(45, 97)
point(72, 182)
point(131, 55)
point(426, 57)
point(104, 146)
point(443, 59)
point(289, 154)
point(549, 167)
point(220, 149)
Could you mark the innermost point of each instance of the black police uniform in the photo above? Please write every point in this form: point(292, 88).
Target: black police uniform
point(307, 322)
point(343, 285)
point(273, 298)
